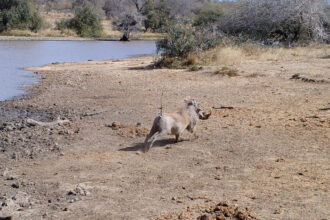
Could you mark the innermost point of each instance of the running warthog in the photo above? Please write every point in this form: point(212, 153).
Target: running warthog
point(175, 123)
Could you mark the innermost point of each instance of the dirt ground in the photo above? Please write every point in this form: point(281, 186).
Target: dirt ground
point(268, 157)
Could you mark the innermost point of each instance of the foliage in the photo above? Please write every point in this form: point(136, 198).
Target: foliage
point(209, 14)
point(19, 14)
point(85, 22)
point(126, 15)
point(179, 41)
point(182, 39)
point(285, 20)
point(153, 15)
point(157, 17)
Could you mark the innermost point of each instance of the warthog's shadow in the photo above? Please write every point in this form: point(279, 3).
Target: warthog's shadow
point(158, 143)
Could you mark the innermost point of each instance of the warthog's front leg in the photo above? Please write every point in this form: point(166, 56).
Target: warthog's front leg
point(192, 130)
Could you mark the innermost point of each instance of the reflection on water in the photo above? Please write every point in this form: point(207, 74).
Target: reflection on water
point(16, 55)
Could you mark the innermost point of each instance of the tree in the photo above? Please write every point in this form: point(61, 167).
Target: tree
point(125, 15)
point(154, 15)
point(286, 20)
point(85, 22)
point(19, 14)
point(157, 17)
point(209, 14)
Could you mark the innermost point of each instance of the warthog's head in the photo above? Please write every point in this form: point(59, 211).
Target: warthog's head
point(196, 106)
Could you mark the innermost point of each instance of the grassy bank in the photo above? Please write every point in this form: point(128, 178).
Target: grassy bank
point(50, 30)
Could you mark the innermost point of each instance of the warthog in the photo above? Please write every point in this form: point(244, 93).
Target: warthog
point(175, 123)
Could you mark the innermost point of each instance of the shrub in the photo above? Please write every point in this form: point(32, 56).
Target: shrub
point(179, 41)
point(19, 14)
point(85, 22)
point(182, 39)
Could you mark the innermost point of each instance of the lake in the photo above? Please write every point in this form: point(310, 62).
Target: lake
point(17, 55)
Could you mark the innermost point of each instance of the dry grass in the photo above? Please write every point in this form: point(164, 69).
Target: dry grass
point(43, 33)
point(58, 33)
point(226, 71)
point(19, 33)
point(52, 17)
point(190, 60)
point(232, 55)
point(110, 32)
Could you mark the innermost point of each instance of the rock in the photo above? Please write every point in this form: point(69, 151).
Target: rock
point(15, 185)
point(115, 125)
point(79, 190)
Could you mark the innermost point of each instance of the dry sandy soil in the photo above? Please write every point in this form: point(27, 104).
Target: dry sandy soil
point(267, 158)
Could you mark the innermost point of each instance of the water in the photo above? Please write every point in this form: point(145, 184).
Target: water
point(16, 55)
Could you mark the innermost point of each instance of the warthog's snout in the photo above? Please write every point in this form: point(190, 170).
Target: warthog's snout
point(204, 116)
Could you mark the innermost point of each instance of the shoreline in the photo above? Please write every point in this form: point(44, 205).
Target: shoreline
point(271, 138)
point(24, 87)
point(23, 38)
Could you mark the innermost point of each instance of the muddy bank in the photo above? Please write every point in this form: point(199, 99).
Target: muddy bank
point(268, 155)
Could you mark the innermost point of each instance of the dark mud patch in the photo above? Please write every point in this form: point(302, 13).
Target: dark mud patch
point(19, 139)
point(10, 111)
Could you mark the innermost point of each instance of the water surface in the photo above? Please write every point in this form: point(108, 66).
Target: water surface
point(17, 55)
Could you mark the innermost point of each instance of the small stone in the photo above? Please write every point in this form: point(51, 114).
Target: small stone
point(15, 185)
point(10, 178)
point(217, 178)
point(277, 211)
point(115, 125)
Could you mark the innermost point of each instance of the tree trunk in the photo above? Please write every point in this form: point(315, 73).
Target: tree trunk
point(125, 37)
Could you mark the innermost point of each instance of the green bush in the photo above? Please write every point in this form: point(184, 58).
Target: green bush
point(156, 17)
point(19, 14)
point(183, 38)
point(85, 22)
point(180, 40)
